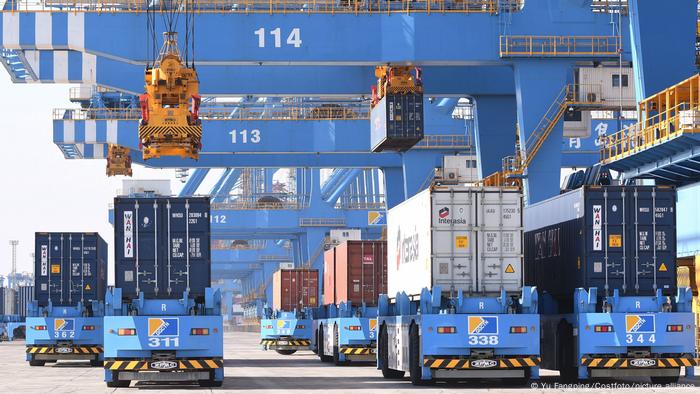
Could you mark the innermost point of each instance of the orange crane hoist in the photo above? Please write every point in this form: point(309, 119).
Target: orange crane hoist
point(170, 124)
point(396, 80)
point(118, 160)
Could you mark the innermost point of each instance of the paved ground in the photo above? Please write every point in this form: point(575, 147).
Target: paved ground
point(249, 369)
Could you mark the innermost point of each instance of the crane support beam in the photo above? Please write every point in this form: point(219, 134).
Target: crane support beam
point(193, 182)
point(495, 122)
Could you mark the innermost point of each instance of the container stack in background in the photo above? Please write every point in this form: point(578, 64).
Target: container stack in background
point(8, 303)
point(25, 296)
point(294, 289)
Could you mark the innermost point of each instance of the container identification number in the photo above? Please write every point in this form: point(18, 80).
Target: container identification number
point(483, 339)
point(164, 342)
point(65, 334)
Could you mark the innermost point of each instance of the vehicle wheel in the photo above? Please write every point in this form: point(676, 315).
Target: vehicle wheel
point(664, 380)
point(37, 363)
point(96, 363)
point(119, 383)
point(321, 346)
point(568, 373)
point(336, 348)
point(415, 362)
point(383, 345)
point(286, 352)
point(315, 349)
point(211, 383)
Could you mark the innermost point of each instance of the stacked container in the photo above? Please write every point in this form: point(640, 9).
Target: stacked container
point(355, 271)
point(7, 301)
point(25, 296)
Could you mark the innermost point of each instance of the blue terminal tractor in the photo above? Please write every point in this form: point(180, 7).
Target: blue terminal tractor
point(163, 320)
point(65, 320)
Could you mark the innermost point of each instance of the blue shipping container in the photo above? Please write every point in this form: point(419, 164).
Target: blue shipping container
point(608, 237)
point(162, 246)
point(69, 268)
point(397, 122)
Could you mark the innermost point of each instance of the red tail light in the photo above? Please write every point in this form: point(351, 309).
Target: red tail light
point(40, 328)
point(300, 326)
point(446, 330)
point(199, 331)
point(354, 328)
point(268, 327)
point(88, 328)
point(518, 330)
point(126, 331)
point(674, 328)
point(603, 328)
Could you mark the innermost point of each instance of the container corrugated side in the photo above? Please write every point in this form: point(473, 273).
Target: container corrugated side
point(25, 296)
point(7, 301)
point(329, 292)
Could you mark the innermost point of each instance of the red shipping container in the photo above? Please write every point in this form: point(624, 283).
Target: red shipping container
point(355, 271)
point(294, 289)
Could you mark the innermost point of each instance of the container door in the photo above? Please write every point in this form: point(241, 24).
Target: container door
point(605, 267)
point(89, 274)
point(56, 285)
point(651, 263)
point(499, 255)
point(144, 273)
point(187, 232)
point(454, 241)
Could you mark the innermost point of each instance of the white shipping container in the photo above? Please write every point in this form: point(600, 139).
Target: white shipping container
point(461, 238)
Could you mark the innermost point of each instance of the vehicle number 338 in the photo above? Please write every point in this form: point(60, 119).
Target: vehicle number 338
point(483, 339)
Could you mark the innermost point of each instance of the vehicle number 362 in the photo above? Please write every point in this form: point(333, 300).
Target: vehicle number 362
point(483, 339)
point(164, 342)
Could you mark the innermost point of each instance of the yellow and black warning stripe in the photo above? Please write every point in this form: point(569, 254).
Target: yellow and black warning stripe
point(290, 342)
point(477, 363)
point(179, 132)
point(621, 362)
point(74, 349)
point(356, 350)
point(173, 365)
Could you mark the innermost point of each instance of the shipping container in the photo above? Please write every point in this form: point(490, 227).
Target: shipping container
point(397, 122)
point(355, 271)
point(69, 268)
point(294, 289)
point(604, 237)
point(25, 296)
point(461, 238)
point(7, 301)
point(162, 247)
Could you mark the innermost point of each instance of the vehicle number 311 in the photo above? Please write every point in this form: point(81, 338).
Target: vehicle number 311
point(483, 339)
point(163, 342)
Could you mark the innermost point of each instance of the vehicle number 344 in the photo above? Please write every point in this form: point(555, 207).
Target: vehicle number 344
point(483, 339)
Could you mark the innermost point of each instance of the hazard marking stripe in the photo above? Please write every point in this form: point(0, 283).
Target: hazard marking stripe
point(600, 362)
point(138, 365)
point(465, 363)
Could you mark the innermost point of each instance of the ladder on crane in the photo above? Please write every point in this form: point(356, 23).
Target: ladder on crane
point(513, 167)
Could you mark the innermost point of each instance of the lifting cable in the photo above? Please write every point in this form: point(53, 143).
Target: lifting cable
point(170, 11)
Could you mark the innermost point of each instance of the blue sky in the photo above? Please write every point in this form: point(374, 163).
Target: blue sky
point(41, 191)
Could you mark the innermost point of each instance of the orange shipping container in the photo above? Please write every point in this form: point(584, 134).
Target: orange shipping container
point(294, 289)
point(355, 271)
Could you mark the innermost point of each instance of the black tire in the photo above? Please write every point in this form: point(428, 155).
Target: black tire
point(321, 346)
point(336, 348)
point(664, 380)
point(96, 363)
point(119, 383)
point(211, 383)
point(286, 352)
point(414, 359)
point(568, 372)
point(383, 348)
point(315, 350)
point(37, 363)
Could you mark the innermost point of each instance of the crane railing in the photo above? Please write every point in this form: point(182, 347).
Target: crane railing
point(676, 121)
point(246, 203)
point(492, 7)
point(444, 141)
point(305, 111)
point(559, 46)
